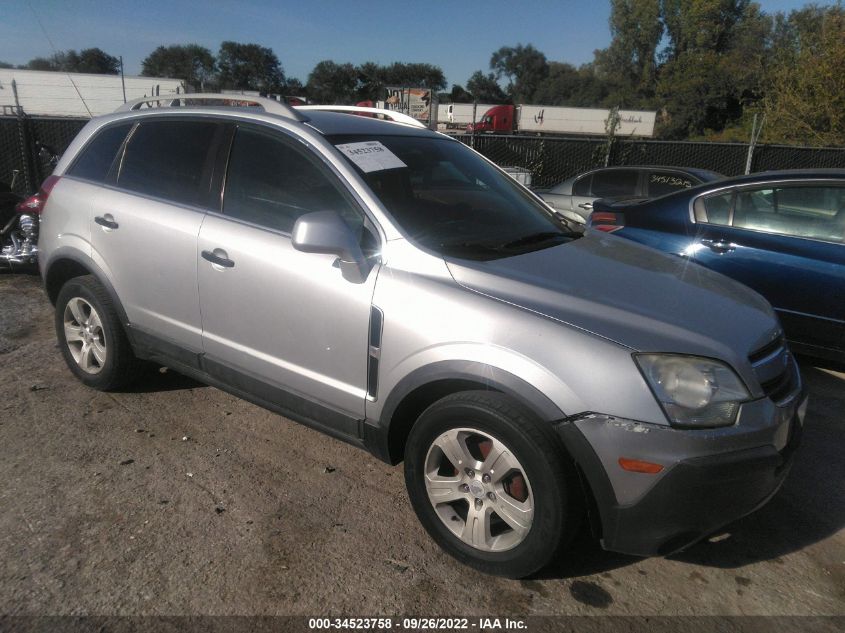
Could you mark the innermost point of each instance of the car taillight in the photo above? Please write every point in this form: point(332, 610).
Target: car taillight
point(606, 221)
point(35, 203)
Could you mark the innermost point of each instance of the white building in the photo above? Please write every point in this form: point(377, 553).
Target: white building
point(59, 94)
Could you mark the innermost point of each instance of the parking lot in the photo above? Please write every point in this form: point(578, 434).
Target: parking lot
point(176, 498)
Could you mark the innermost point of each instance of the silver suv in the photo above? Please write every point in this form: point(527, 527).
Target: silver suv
point(390, 287)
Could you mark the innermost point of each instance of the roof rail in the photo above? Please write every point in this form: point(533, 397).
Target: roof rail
point(396, 117)
point(270, 106)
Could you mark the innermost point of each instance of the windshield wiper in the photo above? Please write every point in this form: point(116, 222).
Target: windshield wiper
point(536, 238)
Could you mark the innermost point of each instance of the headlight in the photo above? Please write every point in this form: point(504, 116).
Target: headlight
point(694, 392)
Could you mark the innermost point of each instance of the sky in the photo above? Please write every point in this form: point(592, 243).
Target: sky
point(457, 36)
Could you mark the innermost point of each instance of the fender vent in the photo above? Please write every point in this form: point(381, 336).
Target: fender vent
point(376, 321)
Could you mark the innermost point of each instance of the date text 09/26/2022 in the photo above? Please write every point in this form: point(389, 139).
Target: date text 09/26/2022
point(417, 624)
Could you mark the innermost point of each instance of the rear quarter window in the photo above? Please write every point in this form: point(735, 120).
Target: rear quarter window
point(659, 183)
point(96, 158)
point(617, 182)
point(582, 186)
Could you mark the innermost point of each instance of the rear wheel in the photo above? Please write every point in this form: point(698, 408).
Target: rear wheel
point(91, 337)
point(491, 484)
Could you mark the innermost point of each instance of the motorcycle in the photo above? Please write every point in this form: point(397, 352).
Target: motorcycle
point(20, 218)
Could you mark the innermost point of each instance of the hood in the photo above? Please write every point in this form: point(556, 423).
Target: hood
point(630, 294)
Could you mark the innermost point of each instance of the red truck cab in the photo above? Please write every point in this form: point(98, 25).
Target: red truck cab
point(499, 118)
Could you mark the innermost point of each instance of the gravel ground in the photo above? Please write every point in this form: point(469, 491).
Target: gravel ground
point(178, 499)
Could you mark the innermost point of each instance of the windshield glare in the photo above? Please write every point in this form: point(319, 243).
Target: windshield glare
point(451, 201)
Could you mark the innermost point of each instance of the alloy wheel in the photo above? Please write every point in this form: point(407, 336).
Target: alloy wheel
point(84, 335)
point(479, 489)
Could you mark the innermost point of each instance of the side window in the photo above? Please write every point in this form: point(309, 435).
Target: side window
point(271, 183)
point(754, 209)
point(616, 182)
point(581, 187)
point(659, 183)
point(814, 212)
point(96, 158)
point(170, 159)
point(714, 209)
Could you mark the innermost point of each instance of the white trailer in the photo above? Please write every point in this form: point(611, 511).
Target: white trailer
point(461, 113)
point(561, 120)
point(79, 95)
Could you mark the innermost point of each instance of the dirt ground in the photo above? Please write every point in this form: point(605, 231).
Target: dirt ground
point(176, 498)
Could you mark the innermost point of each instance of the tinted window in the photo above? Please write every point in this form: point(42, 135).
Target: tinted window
point(659, 183)
point(718, 209)
point(814, 212)
point(618, 182)
point(170, 159)
point(95, 160)
point(271, 183)
point(582, 186)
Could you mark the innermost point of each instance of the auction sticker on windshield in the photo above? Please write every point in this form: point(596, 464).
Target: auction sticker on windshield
point(371, 156)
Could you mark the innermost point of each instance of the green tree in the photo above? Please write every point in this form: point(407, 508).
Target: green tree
point(6, 65)
point(88, 60)
point(525, 68)
point(574, 87)
point(371, 82)
point(458, 94)
point(485, 88)
point(249, 67)
point(805, 97)
point(191, 62)
point(714, 64)
point(332, 83)
point(629, 64)
point(40, 63)
point(415, 76)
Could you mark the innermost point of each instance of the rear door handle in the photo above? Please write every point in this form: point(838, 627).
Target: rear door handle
point(719, 246)
point(220, 259)
point(106, 221)
point(586, 205)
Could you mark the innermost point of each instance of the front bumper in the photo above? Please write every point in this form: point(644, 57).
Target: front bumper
point(711, 478)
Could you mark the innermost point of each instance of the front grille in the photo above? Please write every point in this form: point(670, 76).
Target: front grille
point(767, 350)
point(775, 368)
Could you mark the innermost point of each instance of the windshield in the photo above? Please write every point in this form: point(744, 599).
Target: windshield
point(451, 201)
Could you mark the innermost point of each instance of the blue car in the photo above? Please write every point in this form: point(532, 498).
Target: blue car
point(781, 233)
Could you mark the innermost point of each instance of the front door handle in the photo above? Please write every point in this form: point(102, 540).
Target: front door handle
point(218, 257)
point(719, 246)
point(588, 206)
point(106, 221)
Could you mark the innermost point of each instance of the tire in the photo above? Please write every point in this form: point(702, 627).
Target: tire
point(499, 441)
point(86, 315)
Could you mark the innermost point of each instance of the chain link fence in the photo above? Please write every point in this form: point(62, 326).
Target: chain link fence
point(20, 137)
point(552, 160)
point(549, 159)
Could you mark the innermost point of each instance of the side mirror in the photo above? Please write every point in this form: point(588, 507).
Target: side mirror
point(326, 232)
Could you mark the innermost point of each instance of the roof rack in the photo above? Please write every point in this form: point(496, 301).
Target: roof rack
point(396, 117)
point(270, 106)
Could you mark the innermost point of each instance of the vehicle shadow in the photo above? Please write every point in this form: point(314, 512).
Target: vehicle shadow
point(811, 505)
point(584, 557)
point(159, 379)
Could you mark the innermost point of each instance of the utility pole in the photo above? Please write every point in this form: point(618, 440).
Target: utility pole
point(755, 136)
point(122, 81)
point(474, 121)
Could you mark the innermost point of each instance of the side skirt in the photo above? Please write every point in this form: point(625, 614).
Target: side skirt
point(196, 365)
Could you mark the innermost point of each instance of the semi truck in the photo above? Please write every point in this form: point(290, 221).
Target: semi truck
point(538, 119)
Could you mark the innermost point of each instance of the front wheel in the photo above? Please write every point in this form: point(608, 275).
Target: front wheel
point(491, 484)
